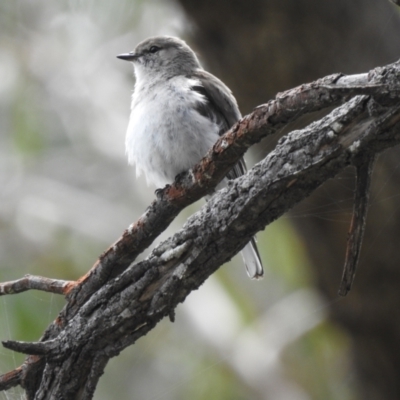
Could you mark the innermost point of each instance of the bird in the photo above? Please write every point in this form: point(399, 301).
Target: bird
point(178, 112)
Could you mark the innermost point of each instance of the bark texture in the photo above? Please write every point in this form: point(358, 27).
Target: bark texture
point(271, 45)
point(119, 301)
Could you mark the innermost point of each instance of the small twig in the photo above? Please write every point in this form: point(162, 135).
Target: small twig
point(20, 376)
point(30, 348)
point(11, 379)
point(357, 225)
point(29, 282)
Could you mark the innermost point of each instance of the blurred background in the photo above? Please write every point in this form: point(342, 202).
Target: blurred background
point(67, 193)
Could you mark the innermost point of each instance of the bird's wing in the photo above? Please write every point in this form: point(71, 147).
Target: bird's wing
point(221, 108)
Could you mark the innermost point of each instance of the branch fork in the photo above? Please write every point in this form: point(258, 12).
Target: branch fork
point(118, 301)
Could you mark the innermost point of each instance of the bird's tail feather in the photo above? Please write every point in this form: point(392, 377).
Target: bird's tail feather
point(252, 260)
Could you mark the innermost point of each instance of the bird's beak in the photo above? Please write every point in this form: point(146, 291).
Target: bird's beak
point(128, 56)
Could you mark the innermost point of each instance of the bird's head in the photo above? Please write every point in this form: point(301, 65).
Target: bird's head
point(162, 57)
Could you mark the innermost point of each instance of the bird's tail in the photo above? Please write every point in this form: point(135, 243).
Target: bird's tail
point(252, 260)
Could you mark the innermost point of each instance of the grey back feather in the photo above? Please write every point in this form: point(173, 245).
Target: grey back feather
point(221, 108)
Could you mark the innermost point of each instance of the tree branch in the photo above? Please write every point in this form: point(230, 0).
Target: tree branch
point(117, 302)
point(358, 222)
point(29, 282)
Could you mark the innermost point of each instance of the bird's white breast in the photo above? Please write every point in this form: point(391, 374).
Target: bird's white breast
point(166, 135)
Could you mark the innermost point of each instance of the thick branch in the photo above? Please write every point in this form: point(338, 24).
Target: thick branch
point(117, 301)
point(190, 187)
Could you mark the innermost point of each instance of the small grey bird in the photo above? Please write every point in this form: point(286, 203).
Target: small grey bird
point(178, 112)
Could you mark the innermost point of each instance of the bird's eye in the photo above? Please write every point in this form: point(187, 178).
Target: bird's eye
point(154, 49)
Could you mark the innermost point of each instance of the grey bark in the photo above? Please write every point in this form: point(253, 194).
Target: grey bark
point(260, 47)
point(119, 301)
